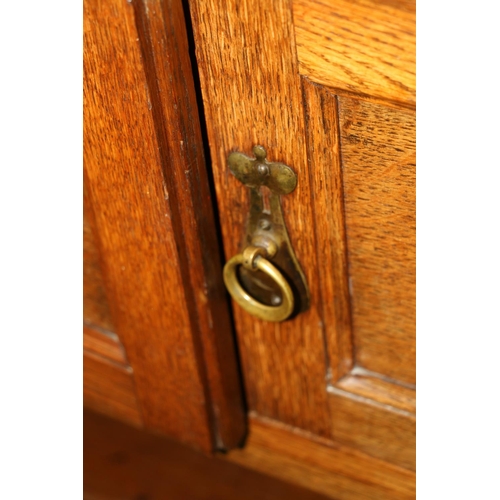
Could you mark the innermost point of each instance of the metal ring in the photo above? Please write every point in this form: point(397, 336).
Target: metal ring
point(245, 300)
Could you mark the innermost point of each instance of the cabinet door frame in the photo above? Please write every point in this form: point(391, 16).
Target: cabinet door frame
point(152, 217)
point(303, 372)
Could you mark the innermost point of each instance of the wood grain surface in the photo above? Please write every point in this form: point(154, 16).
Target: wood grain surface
point(362, 47)
point(120, 462)
point(104, 343)
point(368, 411)
point(330, 469)
point(164, 42)
point(95, 303)
point(323, 140)
point(142, 163)
point(277, 463)
point(378, 155)
point(108, 387)
point(343, 370)
point(373, 428)
point(368, 385)
point(252, 95)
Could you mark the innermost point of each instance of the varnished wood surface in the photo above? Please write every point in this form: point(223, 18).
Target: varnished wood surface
point(95, 303)
point(142, 166)
point(323, 140)
point(332, 470)
point(108, 388)
point(378, 155)
point(373, 428)
point(252, 95)
point(363, 47)
point(277, 462)
point(104, 343)
point(127, 464)
point(154, 224)
point(128, 197)
point(163, 37)
point(367, 385)
point(369, 412)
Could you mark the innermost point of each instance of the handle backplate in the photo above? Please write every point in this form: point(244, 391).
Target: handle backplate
point(266, 228)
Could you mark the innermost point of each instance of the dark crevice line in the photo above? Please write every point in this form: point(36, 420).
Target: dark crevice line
point(211, 186)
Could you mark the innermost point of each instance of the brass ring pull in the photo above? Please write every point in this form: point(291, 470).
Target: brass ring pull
point(268, 246)
point(251, 257)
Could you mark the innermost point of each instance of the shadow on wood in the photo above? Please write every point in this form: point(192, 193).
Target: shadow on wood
point(121, 462)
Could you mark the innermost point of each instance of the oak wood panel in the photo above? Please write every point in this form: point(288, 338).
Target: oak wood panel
point(376, 429)
point(366, 384)
point(108, 387)
point(162, 32)
point(323, 147)
point(364, 405)
point(260, 90)
point(104, 343)
point(120, 462)
point(322, 466)
point(378, 155)
point(366, 47)
point(136, 152)
point(252, 95)
point(123, 462)
point(95, 303)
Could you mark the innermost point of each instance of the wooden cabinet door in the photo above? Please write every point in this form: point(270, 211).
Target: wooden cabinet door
point(159, 350)
point(328, 88)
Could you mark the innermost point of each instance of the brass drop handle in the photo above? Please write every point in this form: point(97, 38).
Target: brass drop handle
point(254, 257)
point(265, 279)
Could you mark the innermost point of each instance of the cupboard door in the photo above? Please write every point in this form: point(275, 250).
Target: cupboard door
point(328, 88)
point(159, 350)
